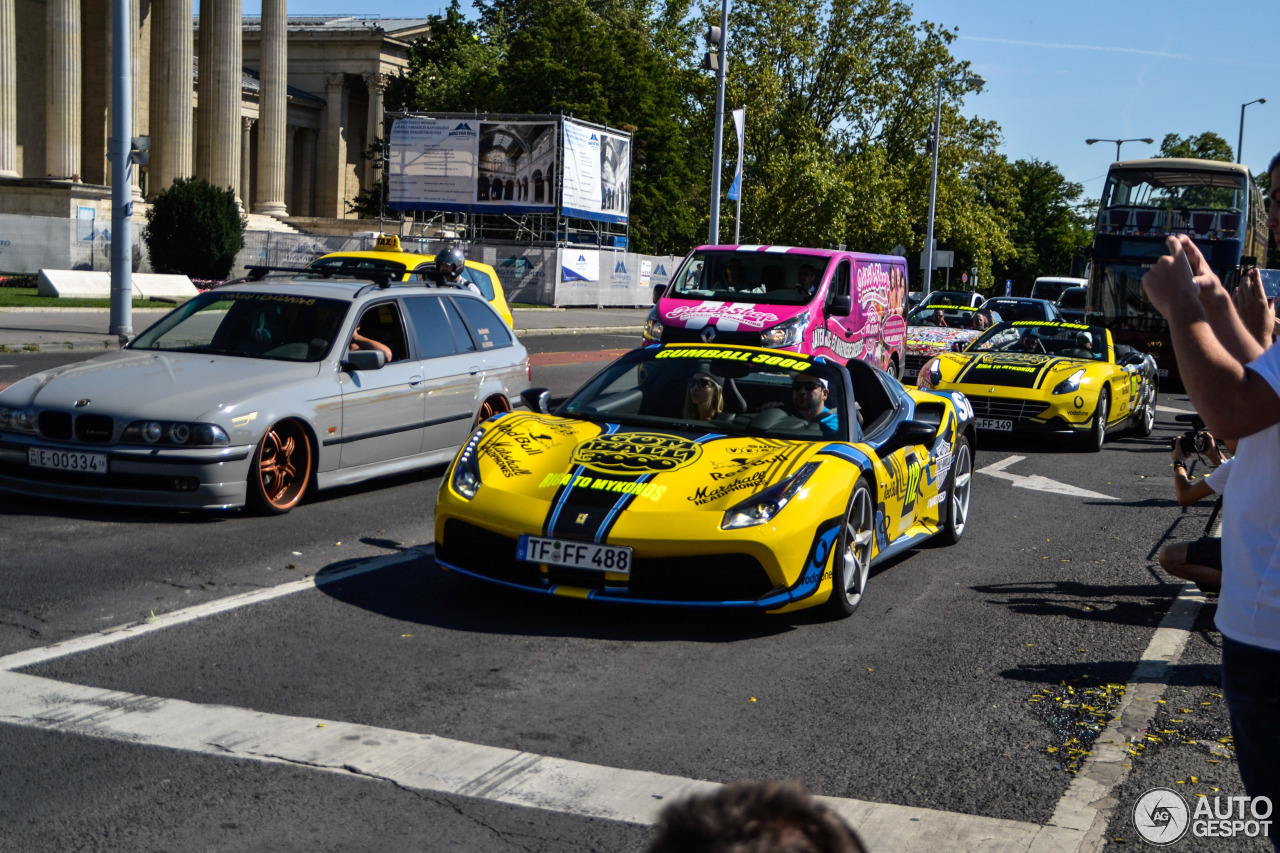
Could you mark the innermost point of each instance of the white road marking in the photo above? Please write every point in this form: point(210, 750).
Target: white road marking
point(1088, 803)
point(430, 763)
point(1037, 482)
point(1160, 408)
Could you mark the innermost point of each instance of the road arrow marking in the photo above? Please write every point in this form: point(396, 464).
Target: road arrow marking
point(1037, 483)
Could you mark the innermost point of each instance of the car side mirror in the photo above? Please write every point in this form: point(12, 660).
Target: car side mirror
point(537, 399)
point(364, 359)
point(658, 290)
point(915, 432)
point(839, 306)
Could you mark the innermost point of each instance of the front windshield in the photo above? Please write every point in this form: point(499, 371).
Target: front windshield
point(1070, 340)
point(274, 326)
point(730, 276)
point(1012, 309)
point(949, 297)
point(951, 317)
point(720, 390)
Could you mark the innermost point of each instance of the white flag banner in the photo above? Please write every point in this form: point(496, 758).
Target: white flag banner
point(739, 123)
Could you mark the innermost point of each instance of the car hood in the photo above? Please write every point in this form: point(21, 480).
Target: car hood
point(1013, 370)
point(930, 340)
point(591, 468)
point(139, 384)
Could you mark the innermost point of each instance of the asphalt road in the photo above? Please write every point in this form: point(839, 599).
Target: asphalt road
point(944, 692)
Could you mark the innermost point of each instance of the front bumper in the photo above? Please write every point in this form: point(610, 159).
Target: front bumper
point(722, 575)
point(1028, 415)
point(176, 478)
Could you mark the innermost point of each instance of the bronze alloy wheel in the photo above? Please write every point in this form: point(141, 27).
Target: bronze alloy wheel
point(489, 408)
point(282, 468)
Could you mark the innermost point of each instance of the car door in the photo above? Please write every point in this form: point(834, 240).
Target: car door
point(382, 410)
point(451, 367)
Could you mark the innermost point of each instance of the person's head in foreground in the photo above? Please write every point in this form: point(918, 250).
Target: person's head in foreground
point(753, 817)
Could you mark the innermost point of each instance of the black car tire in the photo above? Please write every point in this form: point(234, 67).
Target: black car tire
point(283, 464)
point(958, 493)
point(1097, 434)
point(851, 565)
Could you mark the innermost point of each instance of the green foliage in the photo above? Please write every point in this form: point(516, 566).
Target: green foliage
point(1206, 146)
point(1048, 225)
point(194, 229)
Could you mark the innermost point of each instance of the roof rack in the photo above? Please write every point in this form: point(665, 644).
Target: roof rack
point(382, 278)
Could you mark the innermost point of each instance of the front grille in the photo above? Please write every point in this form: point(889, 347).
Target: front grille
point(96, 429)
point(673, 335)
point(915, 362)
point(55, 425)
point(714, 577)
point(999, 407)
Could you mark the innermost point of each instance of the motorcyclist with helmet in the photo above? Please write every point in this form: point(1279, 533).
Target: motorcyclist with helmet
point(450, 265)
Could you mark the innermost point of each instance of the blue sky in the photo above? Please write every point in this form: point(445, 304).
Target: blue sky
point(1059, 73)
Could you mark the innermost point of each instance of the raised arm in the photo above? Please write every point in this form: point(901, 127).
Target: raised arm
point(1233, 401)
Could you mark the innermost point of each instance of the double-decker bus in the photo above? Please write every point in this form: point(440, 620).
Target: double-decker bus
point(1143, 202)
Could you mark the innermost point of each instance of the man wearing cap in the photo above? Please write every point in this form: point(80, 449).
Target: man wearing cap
point(809, 401)
point(1084, 341)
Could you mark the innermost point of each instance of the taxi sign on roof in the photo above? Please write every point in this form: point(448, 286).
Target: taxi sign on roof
point(387, 243)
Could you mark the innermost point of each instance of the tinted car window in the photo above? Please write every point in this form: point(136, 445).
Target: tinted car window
point(482, 280)
point(461, 337)
point(430, 326)
point(487, 328)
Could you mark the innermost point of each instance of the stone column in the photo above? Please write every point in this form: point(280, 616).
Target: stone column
point(135, 80)
point(290, 159)
point(172, 98)
point(376, 85)
point(8, 90)
point(272, 103)
point(218, 116)
point(304, 186)
point(246, 160)
point(62, 88)
point(333, 162)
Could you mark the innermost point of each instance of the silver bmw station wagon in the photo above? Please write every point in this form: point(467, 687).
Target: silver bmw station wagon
point(256, 393)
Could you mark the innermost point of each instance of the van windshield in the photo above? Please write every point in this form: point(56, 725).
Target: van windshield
point(750, 276)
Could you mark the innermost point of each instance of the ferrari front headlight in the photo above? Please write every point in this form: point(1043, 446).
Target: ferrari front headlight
point(931, 374)
point(1070, 384)
point(762, 507)
point(466, 469)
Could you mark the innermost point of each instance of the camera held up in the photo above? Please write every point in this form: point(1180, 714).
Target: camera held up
point(1194, 440)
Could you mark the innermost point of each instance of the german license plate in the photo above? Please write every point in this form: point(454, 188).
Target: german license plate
point(67, 460)
point(996, 424)
point(574, 555)
point(910, 372)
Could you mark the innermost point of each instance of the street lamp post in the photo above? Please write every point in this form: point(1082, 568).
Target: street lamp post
point(933, 175)
point(1240, 138)
point(1119, 142)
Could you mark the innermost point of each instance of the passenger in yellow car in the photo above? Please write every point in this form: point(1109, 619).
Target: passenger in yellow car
point(704, 397)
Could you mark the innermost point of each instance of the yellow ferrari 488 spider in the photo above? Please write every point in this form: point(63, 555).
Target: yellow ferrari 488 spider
point(709, 476)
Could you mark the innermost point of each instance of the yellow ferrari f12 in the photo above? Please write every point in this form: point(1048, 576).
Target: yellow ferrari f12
point(709, 476)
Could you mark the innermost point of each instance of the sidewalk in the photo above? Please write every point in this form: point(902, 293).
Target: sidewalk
point(60, 329)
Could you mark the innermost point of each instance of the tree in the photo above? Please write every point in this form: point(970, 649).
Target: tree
point(1206, 146)
point(194, 229)
point(1049, 225)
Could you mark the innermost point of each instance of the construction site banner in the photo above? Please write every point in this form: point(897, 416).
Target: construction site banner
point(597, 173)
point(472, 165)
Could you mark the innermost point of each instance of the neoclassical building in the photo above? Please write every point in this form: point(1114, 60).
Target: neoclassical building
point(279, 109)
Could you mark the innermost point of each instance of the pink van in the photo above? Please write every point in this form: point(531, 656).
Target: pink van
point(845, 305)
